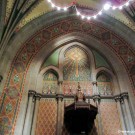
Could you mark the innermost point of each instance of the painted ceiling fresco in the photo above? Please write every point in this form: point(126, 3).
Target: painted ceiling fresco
point(42, 7)
point(19, 13)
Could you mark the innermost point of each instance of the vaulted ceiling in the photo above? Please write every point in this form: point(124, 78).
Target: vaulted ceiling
point(15, 14)
point(39, 7)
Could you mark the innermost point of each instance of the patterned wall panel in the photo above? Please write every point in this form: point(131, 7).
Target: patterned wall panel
point(50, 83)
point(76, 69)
point(110, 118)
point(46, 119)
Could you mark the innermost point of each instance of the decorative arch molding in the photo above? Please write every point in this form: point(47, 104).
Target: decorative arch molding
point(46, 19)
point(27, 31)
point(50, 18)
point(63, 40)
point(81, 38)
point(114, 78)
point(38, 48)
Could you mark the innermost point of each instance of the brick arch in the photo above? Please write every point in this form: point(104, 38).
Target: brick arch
point(20, 65)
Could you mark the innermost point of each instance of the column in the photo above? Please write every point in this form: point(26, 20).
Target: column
point(37, 99)
point(97, 99)
point(126, 104)
point(59, 109)
point(118, 100)
point(29, 113)
point(59, 115)
point(125, 117)
point(95, 89)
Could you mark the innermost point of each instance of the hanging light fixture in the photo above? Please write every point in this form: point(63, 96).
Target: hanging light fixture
point(106, 7)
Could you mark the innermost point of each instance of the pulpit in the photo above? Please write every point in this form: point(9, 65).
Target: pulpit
point(79, 116)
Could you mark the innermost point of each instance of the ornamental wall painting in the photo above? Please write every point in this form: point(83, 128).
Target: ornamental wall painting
point(110, 118)
point(25, 55)
point(50, 83)
point(76, 68)
point(46, 118)
point(104, 84)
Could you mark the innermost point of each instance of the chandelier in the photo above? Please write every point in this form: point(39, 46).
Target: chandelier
point(106, 7)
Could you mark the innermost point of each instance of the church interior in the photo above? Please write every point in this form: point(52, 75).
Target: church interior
point(67, 67)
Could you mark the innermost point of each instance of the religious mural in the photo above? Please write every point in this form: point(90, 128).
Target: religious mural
point(76, 68)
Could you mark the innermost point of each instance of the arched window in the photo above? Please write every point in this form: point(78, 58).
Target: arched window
point(104, 84)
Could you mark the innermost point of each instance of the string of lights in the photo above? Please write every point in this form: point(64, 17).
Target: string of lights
point(106, 7)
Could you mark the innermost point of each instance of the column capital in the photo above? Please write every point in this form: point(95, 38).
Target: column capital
point(124, 95)
point(60, 82)
point(118, 98)
point(1, 78)
point(38, 96)
point(59, 97)
point(94, 82)
point(31, 93)
point(96, 98)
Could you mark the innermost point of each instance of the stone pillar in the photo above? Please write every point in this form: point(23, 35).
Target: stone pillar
point(29, 113)
point(125, 114)
point(119, 100)
point(59, 98)
point(128, 111)
point(59, 114)
point(97, 99)
point(37, 99)
point(95, 89)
